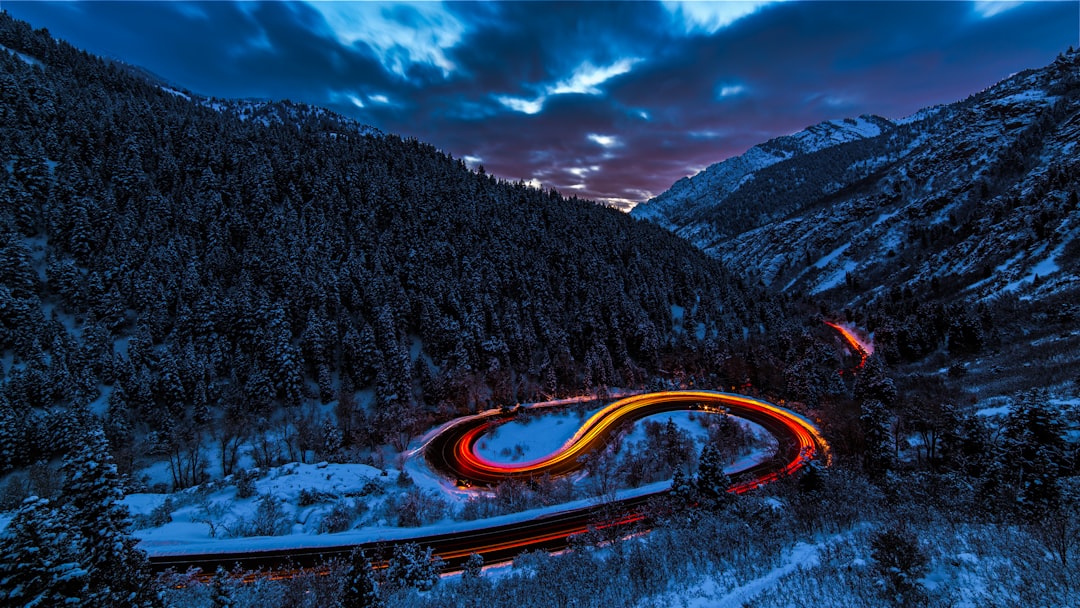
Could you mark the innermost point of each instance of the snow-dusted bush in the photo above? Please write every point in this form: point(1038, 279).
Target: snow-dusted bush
point(900, 561)
point(245, 483)
point(341, 516)
point(158, 516)
point(313, 496)
point(270, 519)
point(415, 507)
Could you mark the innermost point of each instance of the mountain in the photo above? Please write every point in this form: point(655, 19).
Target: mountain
point(694, 196)
point(175, 265)
point(979, 194)
point(954, 228)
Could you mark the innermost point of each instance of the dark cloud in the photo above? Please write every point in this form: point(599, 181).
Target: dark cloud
point(612, 101)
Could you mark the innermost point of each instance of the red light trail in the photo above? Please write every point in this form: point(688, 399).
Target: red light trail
point(864, 349)
point(452, 451)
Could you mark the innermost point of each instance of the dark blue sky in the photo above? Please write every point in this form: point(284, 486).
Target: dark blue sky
point(612, 101)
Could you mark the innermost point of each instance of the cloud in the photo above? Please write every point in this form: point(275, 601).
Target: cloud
point(730, 90)
point(990, 8)
point(585, 80)
point(189, 10)
point(525, 106)
point(644, 92)
point(400, 35)
point(587, 77)
point(607, 141)
point(346, 96)
point(711, 17)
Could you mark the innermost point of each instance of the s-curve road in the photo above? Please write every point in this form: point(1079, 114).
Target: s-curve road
point(453, 453)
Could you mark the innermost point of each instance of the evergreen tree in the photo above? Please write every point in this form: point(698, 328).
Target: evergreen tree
point(473, 568)
point(1033, 448)
point(413, 567)
point(361, 588)
point(682, 498)
point(42, 564)
point(12, 436)
point(118, 572)
point(712, 483)
point(877, 440)
point(220, 591)
point(811, 482)
point(873, 382)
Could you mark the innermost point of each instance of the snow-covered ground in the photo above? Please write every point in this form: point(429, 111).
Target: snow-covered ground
point(531, 437)
point(207, 520)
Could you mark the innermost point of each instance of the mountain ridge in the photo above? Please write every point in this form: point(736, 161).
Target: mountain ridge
point(904, 171)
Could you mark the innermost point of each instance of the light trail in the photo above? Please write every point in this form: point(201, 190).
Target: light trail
point(456, 455)
point(864, 349)
point(452, 450)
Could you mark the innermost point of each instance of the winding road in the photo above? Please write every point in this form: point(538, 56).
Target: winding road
point(453, 453)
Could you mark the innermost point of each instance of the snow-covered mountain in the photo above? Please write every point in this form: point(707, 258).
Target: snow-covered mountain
point(974, 199)
point(691, 196)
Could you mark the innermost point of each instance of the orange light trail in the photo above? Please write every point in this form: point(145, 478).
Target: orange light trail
point(469, 464)
point(864, 349)
point(454, 448)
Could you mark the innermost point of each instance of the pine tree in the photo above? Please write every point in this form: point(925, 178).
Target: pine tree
point(712, 483)
point(12, 434)
point(873, 382)
point(42, 564)
point(878, 453)
point(118, 425)
point(414, 567)
point(1033, 448)
point(361, 588)
point(473, 568)
point(220, 592)
point(682, 497)
point(118, 572)
point(811, 481)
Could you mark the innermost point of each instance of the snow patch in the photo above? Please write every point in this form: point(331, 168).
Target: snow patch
point(26, 58)
point(176, 93)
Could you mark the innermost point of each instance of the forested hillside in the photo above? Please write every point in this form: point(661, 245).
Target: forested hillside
point(187, 266)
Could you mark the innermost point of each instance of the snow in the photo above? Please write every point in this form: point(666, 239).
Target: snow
point(529, 438)
point(920, 115)
point(1022, 97)
point(176, 93)
point(190, 533)
point(711, 592)
point(676, 313)
point(884, 217)
point(26, 58)
point(823, 262)
point(709, 187)
point(831, 280)
point(184, 538)
point(835, 278)
point(1003, 407)
point(1042, 268)
point(802, 554)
